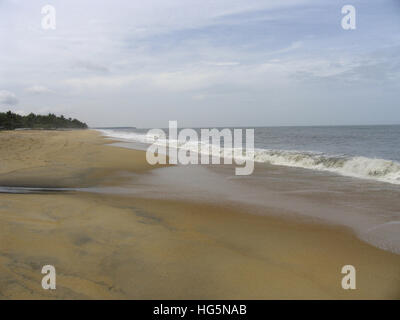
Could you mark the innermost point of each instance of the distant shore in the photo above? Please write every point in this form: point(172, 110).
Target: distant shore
point(118, 246)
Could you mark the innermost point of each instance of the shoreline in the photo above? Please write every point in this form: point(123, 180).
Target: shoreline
point(370, 167)
point(369, 208)
point(127, 247)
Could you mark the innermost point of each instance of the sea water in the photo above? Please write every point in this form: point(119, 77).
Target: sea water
point(365, 152)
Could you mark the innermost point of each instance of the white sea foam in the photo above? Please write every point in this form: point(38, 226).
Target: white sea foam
point(358, 167)
point(385, 236)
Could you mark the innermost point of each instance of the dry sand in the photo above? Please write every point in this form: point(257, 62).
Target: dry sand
point(121, 247)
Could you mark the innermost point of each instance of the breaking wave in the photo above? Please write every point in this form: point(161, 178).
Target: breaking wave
point(358, 167)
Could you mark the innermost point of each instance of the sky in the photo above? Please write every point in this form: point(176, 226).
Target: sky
point(203, 63)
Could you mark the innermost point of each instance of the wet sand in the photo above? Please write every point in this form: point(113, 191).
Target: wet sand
point(133, 247)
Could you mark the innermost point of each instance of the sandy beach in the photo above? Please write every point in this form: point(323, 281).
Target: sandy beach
point(127, 246)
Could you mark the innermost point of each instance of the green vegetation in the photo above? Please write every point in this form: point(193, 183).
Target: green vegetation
point(11, 121)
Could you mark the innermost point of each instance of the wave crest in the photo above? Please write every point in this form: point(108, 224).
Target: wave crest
point(359, 167)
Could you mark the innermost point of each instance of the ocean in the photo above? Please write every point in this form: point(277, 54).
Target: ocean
point(365, 152)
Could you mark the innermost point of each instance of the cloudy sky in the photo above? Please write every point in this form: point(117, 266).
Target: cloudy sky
point(203, 63)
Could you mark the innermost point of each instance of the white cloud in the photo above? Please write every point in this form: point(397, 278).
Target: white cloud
point(91, 66)
point(293, 46)
point(223, 64)
point(38, 89)
point(21, 112)
point(100, 82)
point(174, 81)
point(8, 98)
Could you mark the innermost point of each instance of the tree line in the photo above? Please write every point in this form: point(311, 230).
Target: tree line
point(11, 121)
